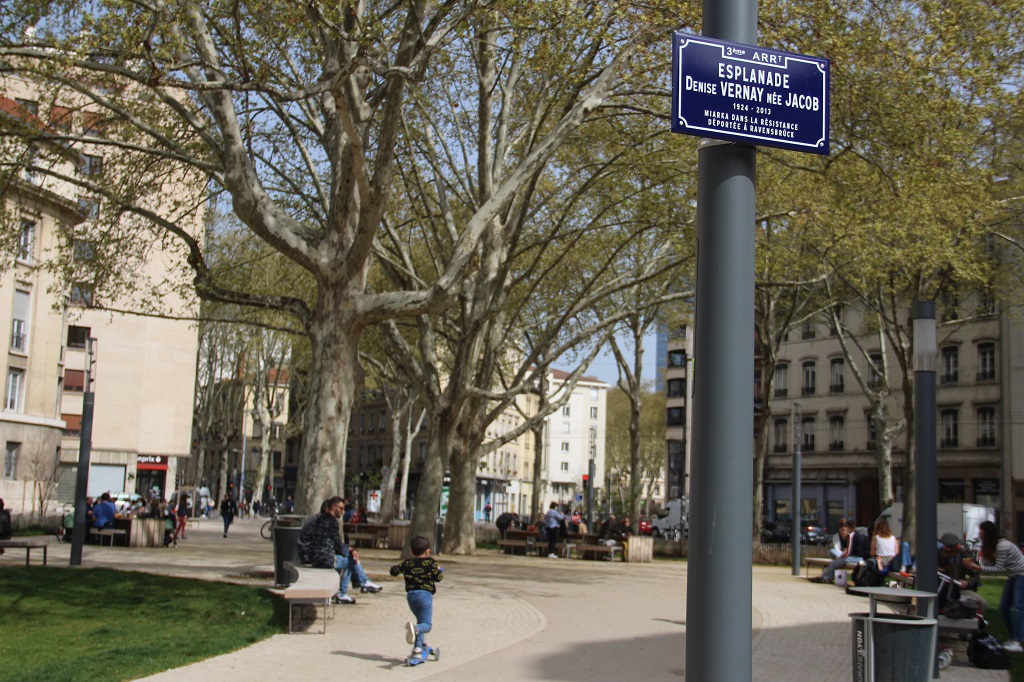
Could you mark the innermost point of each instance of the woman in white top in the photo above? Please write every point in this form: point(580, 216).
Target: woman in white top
point(883, 544)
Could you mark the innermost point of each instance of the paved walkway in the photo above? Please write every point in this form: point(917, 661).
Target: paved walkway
point(512, 618)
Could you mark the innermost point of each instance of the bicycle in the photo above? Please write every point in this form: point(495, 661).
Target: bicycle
point(265, 531)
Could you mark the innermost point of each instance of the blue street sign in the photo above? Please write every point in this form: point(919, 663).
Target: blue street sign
point(745, 93)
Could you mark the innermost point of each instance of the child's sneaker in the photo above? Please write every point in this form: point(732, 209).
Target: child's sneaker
point(410, 632)
point(344, 599)
point(417, 651)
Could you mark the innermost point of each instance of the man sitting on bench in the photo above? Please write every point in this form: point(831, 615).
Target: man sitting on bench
point(320, 545)
point(857, 547)
point(6, 529)
point(103, 513)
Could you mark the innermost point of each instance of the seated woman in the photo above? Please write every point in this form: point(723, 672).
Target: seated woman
point(884, 546)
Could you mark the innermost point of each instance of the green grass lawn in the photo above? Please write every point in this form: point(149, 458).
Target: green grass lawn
point(991, 590)
point(79, 624)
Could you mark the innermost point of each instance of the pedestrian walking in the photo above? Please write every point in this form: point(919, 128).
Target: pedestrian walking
point(228, 509)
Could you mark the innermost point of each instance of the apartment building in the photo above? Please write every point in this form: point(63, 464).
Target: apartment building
point(978, 370)
point(142, 367)
point(678, 391)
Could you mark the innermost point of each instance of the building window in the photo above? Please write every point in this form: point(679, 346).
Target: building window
point(81, 294)
point(809, 378)
point(781, 388)
point(15, 389)
point(29, 105)
point(835, 380)
point(92, 124)
point(807, 331)
point(676, 416)
point(565, 447)
point(382, 420)
point(90, 208)
point(11, 459)
point(836, 427)
point(90, 166)
point(950, 428)
point(781, 435)
point(566, 427)
point(839, 313)
point(565, 466)
point(676, 388)
point(26, 241)
point(986, 361)
point(986, 426)
point(60, 119)
point(19, 321)
point(593, 413)
point(807, 434)
point(677, 358)
point(72, 425)
point(950, 364)
point(78, 337)
point(74, 380)
point(565, 410)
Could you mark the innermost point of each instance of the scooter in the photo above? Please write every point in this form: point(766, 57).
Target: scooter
point(421, 657)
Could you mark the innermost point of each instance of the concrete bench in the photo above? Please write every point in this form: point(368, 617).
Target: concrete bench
point(27, 545)
point(599, 551)
point(310, 587)
point(108, 533)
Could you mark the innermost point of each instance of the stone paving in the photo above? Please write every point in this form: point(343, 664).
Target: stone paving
point(512, 618)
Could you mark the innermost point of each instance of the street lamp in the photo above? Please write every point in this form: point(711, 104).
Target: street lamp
point(926, 477)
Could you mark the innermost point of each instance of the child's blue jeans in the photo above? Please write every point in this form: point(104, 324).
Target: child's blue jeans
point(422, 604)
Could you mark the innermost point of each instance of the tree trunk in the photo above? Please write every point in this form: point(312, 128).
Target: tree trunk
point(460, 525)
point(335, 381)
point(411, 431)
point(428, 494)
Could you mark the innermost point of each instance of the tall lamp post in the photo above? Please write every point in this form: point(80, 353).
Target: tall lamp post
point(797, 520)
point(84, 454)
point(926, 476)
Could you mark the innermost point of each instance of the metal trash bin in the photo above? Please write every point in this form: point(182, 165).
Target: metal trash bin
point(892, 647)
point(285, 537)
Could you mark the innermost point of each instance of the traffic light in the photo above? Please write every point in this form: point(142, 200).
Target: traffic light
point(586, 481)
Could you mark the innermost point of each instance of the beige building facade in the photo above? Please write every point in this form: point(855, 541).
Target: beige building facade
point(143, 365)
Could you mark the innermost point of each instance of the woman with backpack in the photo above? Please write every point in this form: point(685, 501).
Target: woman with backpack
point(999, 555)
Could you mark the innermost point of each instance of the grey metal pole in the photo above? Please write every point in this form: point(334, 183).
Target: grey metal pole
point(797, 518)
point(84, 454)
point(719, 582)
point(926, 480)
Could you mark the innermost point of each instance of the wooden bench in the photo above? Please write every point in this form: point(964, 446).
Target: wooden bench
point(355, 539)
point(596, 551)
point(509, 546)
point(562, 549)
point(193, 522)
point(108, 533)
point(310, 587)
point(823, 562)
point(27, 545)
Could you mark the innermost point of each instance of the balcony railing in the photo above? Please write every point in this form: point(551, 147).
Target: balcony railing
point(950, 377)
point(986, 441)
point(835, 446)
point(949, 443)
point(807, 390)
point(808, 445)
point(781, 392)
point(835, 388)
point(986, 375)
point(780, 447)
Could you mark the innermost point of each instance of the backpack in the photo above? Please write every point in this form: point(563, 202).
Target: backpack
point(868, 575)
point(984, 651)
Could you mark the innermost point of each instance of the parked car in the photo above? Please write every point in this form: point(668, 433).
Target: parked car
point(813, 534)
point(776, 531)
point(645, 525)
